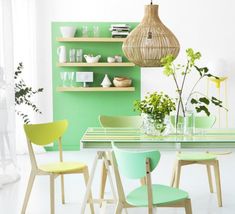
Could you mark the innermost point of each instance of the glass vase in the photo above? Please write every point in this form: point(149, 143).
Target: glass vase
point(184, 125)
point(153, 127)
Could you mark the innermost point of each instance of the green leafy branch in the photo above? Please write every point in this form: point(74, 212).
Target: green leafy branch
point(171, 70)
point(24, 94)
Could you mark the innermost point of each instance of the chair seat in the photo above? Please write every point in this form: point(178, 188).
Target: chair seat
point(161, 195)
point(62, 167)
point(196, 156)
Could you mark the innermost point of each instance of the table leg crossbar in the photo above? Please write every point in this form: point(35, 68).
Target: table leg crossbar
point(103, 156)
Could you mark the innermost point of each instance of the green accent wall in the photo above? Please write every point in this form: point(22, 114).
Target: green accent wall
point(82, 109)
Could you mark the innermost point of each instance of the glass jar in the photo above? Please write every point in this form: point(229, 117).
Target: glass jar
point(153, 127)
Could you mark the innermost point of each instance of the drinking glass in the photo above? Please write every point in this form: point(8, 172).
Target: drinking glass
point(70, 78)
point(84, 31)
point(96, 31)
point(63, 77)
point(72, 53)
point(79, 55)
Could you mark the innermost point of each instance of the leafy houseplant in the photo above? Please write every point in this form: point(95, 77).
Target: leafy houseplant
point(24, 94)
point(155, 107)
point(195, 98)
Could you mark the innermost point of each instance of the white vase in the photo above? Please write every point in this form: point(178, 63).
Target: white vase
point(106, 82)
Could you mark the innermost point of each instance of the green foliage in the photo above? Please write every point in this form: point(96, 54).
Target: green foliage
point(192, 56)
point(24, 94)
point(155, 105)
point(201, 104)
point(168, 65)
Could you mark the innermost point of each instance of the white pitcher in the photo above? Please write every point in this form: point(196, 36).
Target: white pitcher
point(61, 51)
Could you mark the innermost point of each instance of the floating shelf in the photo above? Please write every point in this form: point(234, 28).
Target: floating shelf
point(99, 64)
point(67, 89)
point(90, 39)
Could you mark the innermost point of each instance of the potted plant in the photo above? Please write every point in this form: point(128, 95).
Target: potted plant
point(193, 98)
point(155, 109)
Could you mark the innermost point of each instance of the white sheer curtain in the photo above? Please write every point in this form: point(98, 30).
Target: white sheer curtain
point(8, 172)
point(24, 19)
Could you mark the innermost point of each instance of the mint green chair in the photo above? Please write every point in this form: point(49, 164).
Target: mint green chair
point(139, 164)
point(42, 135)
point(200, 122)
point(120, 121)
point(116, 121)
point(207, 159)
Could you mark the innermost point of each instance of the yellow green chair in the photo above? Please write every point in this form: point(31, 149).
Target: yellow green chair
point(207, 159)
point(120, 121)
point(42, 135)
point(139, 164)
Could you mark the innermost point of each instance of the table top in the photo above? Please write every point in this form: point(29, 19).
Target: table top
point(102, 137)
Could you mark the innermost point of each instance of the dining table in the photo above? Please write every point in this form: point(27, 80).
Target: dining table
point(100, 139)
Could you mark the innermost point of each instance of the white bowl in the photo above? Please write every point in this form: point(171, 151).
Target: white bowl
point(67, 31)
point(122, 82)
point(110, 59)
point(92, 59)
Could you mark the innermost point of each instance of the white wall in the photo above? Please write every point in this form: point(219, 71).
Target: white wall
point(206, 26)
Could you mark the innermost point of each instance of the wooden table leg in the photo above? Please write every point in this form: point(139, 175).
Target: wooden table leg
point(89, 183)
point(103, 181)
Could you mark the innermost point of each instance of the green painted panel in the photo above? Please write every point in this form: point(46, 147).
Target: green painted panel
point(82, 109)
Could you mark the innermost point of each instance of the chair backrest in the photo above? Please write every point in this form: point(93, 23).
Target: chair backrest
point(45, 133)
point(202, 122)
point(205, 122)
point(120, 121)
point(132, 164)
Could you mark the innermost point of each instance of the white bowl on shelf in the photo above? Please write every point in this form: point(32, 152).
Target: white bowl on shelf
point(92, 59)
point(68, 31)
point(122, 82)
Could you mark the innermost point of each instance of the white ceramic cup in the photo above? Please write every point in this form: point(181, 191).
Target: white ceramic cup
point(110, 59)
point(67, 31)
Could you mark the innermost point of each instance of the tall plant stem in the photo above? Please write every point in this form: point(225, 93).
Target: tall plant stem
point(179, 90)
point(191, 92)
point(180, 99)
point(182, 87)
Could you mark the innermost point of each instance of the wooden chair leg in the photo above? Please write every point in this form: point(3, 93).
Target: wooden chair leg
point(209, 177)
point(28, 191)
point(118, 209)
point(188, 207)
point(173, 175)
point(86, 178)
point(177, 174)
point(52, 193)
point(218, 184)
point(143, 181)
point(103, 181)
point(62, 189)
point(150, 210)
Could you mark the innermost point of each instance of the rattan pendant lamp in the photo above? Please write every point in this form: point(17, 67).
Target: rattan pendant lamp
point(150, 41)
